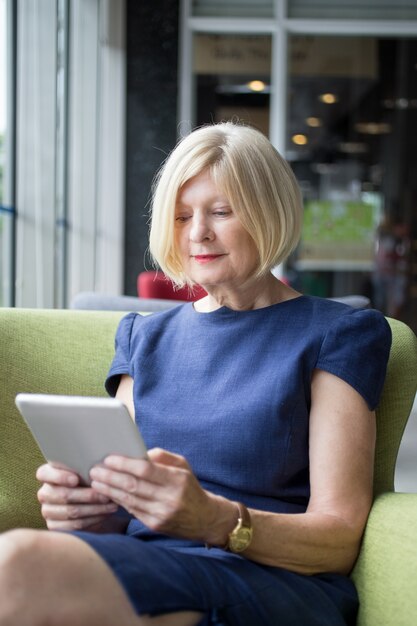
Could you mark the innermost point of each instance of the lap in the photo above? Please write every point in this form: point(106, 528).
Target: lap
point(56, 578)
point(166, 576)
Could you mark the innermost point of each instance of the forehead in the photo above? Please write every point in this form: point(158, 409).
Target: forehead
point(201, 188)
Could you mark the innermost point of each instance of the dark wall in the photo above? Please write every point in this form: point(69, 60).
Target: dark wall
point(151, 117)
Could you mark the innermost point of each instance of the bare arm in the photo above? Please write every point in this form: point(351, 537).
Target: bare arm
point(125, 394)
point(167, 497)
point(327, 537)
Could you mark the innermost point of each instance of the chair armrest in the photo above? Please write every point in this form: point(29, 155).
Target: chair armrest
point(386, 571)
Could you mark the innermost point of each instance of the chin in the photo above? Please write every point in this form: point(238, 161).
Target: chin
point(203, 278)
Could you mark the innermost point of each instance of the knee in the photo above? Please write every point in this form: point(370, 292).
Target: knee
point(15, 544)
point(20, 557)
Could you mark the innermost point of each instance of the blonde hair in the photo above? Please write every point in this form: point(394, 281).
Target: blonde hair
point(246, 168)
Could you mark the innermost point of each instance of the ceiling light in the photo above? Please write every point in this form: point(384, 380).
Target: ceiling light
point(373, 128)
point(299, 140)
point(313, 122)
point(328, 98)
point(231, 89)
point(256, 85)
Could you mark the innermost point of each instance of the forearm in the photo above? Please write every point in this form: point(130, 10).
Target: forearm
point(164, 494)
point(307, 543)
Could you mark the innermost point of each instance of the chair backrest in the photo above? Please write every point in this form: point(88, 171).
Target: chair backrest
point(154, 284)
point(94, 301)
point(69, 352)
point(356, 301)
point(51, 351)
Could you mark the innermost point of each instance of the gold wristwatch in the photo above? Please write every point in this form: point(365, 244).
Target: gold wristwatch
point(241, 535)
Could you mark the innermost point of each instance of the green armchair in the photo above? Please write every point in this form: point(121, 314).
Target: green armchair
point(69, 352)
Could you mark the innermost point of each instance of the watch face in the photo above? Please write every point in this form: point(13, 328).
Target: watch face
point(240, 539)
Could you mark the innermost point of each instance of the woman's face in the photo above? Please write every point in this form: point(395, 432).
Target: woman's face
point(215, 248)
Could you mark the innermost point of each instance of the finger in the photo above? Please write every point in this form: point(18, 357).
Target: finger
point(136, 505)
point(49, 473)
point(157, 473)
point(158, 455)
point(109, 484)
point(62, 495)
point(119, 496)
point(80, 524)
point(128, 483)
point(59, 512)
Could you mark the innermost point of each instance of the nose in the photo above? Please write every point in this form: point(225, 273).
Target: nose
point(200, 229)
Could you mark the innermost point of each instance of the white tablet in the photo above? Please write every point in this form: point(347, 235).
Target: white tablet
point(79, 432)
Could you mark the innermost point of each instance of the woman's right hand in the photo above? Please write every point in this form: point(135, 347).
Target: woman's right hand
point(65, 505)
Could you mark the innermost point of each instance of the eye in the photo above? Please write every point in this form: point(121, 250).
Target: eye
point(222, 212)
point(182, 218)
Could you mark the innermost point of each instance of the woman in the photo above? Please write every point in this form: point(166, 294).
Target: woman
point(257, 403)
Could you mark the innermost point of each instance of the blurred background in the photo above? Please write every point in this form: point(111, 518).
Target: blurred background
point(95, 93)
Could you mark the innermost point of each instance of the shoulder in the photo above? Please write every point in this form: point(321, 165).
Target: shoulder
point(333, 315)
point(356, 346)
point(358, 325)
point(352, 328)
point(140, 325)
point(135, 320)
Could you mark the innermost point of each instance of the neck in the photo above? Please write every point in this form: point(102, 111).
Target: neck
point(254, 294)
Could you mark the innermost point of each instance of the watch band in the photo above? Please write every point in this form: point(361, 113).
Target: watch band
point(244, 516)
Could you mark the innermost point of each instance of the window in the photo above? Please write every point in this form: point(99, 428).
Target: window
point(7, 215)
point(353, 9)
point(342, 108)
point(68, 71)
point(232, 77)
point(351, 140)
point(233, 8)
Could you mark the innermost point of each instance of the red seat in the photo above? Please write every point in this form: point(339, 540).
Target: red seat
point(154, 284)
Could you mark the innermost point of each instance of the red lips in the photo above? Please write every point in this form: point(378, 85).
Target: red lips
point(206, 258)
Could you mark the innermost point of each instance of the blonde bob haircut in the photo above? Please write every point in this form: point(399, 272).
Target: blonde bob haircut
point(256, 180)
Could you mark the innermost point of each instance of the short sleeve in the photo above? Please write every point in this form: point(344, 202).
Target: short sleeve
point(356, 349)
point(121, 363)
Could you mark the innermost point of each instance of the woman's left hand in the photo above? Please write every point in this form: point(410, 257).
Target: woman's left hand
point(164, 494)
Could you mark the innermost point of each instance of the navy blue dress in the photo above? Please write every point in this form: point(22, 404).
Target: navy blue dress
point(231, 391)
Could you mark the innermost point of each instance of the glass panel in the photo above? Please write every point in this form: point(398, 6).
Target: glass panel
point(354, 9)
point(352, 142)
point(232, 79)
point(233, 8)
point(60, 277)
point(6, 210)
